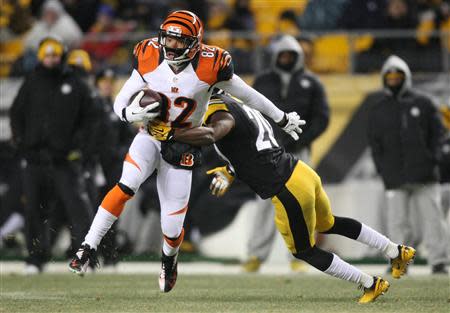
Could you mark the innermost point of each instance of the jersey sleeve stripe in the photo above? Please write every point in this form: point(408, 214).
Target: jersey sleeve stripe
point(147, 57)
point(145, 45)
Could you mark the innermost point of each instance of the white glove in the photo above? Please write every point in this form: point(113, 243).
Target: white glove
point(223, 178)
point(291, 124)
point(135, 113)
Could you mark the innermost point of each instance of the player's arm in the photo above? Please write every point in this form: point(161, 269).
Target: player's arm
point(219, 125)
point(289, 122)
point(133, 112)
point(131, 86)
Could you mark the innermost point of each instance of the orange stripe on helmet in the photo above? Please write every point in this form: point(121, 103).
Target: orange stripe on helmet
point(186, 29)
point(192, 25)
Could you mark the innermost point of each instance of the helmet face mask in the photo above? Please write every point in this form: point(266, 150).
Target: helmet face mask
point(184, 27)
point(180, 55)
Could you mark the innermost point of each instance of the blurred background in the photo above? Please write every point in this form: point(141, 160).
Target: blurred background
point(345, 43)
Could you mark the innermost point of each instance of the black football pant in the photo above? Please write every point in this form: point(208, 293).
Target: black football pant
point(43, 184)
point(10, 198)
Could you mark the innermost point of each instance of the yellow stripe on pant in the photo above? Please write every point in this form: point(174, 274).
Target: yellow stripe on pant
point(301, 208)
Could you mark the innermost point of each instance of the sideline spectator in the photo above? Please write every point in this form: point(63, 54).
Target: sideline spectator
point(101, 49)
point(321, 15)
point(359, 14)
point(400, 16)
point(287, 23)
point(54, 22)
point(51, 110)
point(241, 17)
point(83, 12)
point(405, 133)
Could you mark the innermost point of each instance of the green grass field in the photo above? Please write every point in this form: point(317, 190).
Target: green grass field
point(215, 293)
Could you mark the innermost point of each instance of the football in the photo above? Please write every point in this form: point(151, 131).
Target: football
point(150, 96)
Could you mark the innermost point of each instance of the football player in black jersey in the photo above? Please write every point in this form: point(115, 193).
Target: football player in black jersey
point(245, 139)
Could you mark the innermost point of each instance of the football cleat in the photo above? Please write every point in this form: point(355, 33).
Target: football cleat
point(379, 287)
point(400, 264)
point(298, 266)
point(169, 272)
point(85, 256)
point(252, 265)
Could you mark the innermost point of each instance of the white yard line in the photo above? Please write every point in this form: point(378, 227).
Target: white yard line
point(197, 268)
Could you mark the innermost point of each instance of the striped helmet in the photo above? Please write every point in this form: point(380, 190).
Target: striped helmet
point(186, 27)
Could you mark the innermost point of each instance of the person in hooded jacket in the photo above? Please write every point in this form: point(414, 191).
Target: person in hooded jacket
point(405, 135)
point(49, 116)
point(292, 87)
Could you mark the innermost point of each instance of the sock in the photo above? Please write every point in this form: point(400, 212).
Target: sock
point(376, 240)
point(100, 225)
point(13, 223)
point(172, 245)
point(346, 271)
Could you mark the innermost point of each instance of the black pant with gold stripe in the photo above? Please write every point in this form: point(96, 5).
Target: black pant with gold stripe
point(301, 208)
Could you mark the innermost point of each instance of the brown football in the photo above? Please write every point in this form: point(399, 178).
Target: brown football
point(149, 97)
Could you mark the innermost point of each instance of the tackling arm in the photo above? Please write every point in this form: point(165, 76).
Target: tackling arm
point(289, 122)
point(220, 124)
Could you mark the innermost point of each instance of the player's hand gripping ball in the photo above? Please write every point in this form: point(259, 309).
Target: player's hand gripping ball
point(145, 106)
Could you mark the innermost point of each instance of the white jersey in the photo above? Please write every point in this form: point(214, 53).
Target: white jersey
point(187, 93)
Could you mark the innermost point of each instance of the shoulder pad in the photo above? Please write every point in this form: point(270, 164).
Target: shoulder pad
point(146, 55)
point(214, 65)
point(215, 104)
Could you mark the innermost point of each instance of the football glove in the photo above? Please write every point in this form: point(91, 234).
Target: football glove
point(291, 123)
point(135, 113)
point(223, 178)
point(160, 131)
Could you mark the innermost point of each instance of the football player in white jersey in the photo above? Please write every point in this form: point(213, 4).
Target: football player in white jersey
point(183, 71)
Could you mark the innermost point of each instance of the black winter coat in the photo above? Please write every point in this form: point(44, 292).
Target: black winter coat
point(306, 96)
point(52, 112)
point(405, 136)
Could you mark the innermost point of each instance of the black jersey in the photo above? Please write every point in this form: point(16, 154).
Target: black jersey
point(251, 148)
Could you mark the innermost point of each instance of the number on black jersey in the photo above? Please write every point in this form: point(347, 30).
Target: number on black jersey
point(265, 139)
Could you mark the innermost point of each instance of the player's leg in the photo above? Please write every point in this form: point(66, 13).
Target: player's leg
point(426, 203)
point(295, 217)
point(139, 163)
point(174, 188)
point(262, 235)
point(327, 223)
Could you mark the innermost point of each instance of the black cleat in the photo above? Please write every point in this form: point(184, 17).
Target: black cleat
point(439, 269)
point(169, 272)
point(85, 256)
